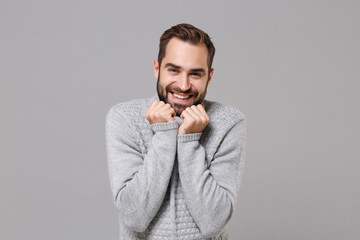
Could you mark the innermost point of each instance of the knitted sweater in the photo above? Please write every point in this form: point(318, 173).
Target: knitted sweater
point(169, 186)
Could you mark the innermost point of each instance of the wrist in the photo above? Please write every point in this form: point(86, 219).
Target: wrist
point(181, 132)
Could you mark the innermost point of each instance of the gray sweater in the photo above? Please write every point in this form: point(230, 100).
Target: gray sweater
point(169, 186)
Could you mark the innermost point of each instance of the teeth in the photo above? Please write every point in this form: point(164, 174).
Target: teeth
point(181, 97)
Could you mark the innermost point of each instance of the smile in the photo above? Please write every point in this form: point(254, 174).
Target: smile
point(181, 96)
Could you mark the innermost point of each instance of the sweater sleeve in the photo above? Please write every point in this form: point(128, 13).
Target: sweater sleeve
point(210, 192)
point(138, 183)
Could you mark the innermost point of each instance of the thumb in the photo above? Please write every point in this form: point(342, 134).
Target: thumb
point(182, 116)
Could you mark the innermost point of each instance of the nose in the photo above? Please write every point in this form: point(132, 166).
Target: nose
point(184, 83)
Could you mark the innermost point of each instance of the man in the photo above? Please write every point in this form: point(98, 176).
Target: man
point(175, 160)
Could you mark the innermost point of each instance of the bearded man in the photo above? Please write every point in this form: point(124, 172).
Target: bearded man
point(175, 160)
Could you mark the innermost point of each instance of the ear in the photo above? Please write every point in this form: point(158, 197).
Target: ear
point(210, 74)
point(156, 69)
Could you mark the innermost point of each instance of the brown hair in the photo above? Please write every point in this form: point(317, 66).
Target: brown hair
point(187, 33)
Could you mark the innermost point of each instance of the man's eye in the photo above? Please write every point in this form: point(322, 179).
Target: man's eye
point(195, 74)
point(173, 70)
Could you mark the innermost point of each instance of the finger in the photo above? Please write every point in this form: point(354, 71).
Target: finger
point(158, 105)
point(186, 115)
point(153, 104)
point(166, 108)
point(150, 109)
point(202, 110)
point(173, 113)
point(193, 114)
point(201, 107)
point(198, 112)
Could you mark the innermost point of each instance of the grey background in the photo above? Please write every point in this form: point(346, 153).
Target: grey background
point(292, 67)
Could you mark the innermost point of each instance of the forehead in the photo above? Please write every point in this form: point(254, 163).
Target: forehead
point(185, 54)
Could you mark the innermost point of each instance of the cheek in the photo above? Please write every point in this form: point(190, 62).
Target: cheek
point(162, 83)
point(200, 86)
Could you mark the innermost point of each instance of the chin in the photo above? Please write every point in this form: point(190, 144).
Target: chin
point(179, 108)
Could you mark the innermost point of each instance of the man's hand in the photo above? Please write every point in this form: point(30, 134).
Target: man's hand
point(195, 120)
point(159, 112)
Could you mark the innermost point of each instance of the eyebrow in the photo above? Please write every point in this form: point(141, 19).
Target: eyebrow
point(178, 67)
point(172, 65)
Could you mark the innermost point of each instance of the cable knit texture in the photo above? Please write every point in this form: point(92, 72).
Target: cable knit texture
point(169, 186)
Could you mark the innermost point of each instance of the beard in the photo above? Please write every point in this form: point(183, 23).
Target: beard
point(163, 94)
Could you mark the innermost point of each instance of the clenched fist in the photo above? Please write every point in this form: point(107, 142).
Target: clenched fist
point(159, 112)
point(195, 120)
